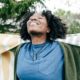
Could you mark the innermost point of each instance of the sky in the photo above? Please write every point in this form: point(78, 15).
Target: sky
point(67, 5)
point(72, 5)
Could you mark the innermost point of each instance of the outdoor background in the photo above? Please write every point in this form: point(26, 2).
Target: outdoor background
point(11, 12)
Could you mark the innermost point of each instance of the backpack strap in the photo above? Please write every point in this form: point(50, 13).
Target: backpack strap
point(15, 60)
point(72, 61)
point(5, 64)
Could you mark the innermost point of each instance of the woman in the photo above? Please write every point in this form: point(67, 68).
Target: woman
point(43, 57)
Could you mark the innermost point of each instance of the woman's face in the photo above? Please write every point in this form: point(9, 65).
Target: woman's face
point(37, 23)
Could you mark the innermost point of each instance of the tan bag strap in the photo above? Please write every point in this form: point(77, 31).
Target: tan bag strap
point(5, 64)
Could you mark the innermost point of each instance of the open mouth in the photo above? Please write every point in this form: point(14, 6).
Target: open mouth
point(34, 23)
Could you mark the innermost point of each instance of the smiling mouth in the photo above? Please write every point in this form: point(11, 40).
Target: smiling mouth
point(34, 23)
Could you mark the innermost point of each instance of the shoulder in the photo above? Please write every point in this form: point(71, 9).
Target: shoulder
point(63, 44)
point(69, 48)
point(21, 47)
point(56, 44)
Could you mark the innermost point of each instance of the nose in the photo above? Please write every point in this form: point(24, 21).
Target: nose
point(31, 19)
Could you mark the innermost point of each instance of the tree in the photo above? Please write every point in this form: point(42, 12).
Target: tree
point(72, 20)
point(12, 11)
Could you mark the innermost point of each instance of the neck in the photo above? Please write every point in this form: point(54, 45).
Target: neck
point(38, 39)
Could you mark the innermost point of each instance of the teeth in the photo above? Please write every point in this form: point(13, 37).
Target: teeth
point(33, 23)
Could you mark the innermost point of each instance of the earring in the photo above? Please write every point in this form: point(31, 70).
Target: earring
point(47, 31)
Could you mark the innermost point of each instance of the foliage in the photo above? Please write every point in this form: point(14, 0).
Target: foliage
point(72, 20)
point(14, 10)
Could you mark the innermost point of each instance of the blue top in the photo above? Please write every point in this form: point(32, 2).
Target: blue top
point(40, 62)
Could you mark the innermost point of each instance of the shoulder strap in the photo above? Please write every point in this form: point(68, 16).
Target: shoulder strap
point(15, 60)
point(72, 61)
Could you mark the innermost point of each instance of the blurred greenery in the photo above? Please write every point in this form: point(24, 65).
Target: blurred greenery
point(71, 20)
point(12, 11)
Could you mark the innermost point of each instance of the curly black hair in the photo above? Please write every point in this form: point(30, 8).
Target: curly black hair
point(57, 28)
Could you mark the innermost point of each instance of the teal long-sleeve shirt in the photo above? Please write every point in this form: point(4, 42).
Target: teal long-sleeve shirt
point(40, 62)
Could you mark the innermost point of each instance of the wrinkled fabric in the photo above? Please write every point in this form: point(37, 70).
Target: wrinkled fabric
point(71, 61)
point(45, 64)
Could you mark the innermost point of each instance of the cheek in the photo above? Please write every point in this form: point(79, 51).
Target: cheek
point(33, 28)
point(44, 27)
